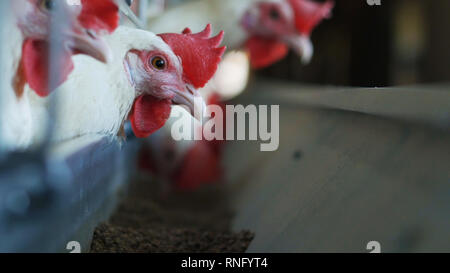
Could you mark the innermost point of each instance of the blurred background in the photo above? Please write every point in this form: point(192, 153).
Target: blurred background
point(354, 165)
point(399, 42)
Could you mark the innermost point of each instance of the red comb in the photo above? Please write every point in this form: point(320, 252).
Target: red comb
point(99, 15)
point(309, 13)
point(199, 53)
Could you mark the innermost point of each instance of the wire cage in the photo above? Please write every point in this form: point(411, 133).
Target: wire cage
point(51, 195)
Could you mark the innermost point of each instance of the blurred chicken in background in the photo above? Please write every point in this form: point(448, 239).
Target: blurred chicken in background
point(266, 29)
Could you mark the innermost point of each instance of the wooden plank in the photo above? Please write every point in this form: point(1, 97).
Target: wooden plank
point(353, 166)
point(427, 104)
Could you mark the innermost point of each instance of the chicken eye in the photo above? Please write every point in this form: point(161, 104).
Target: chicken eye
point(158, 63)
point(48, 5)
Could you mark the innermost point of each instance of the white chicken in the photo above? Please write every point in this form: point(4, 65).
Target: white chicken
point(25, 55)
point(148, 74)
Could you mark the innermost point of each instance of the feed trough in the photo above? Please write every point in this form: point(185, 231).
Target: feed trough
point(353, 166)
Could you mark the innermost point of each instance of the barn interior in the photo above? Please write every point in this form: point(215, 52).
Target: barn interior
point(359, 162)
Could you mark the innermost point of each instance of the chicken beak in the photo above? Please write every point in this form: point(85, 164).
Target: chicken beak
point(302, 45)
point(192, 99)
point(88, 42)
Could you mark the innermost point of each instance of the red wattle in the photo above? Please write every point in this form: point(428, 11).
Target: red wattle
point(35, 63)
point(265, 52)
point(149, 114)
point(308, 14)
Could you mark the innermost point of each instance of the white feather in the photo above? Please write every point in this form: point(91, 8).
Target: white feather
point(15, 118)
